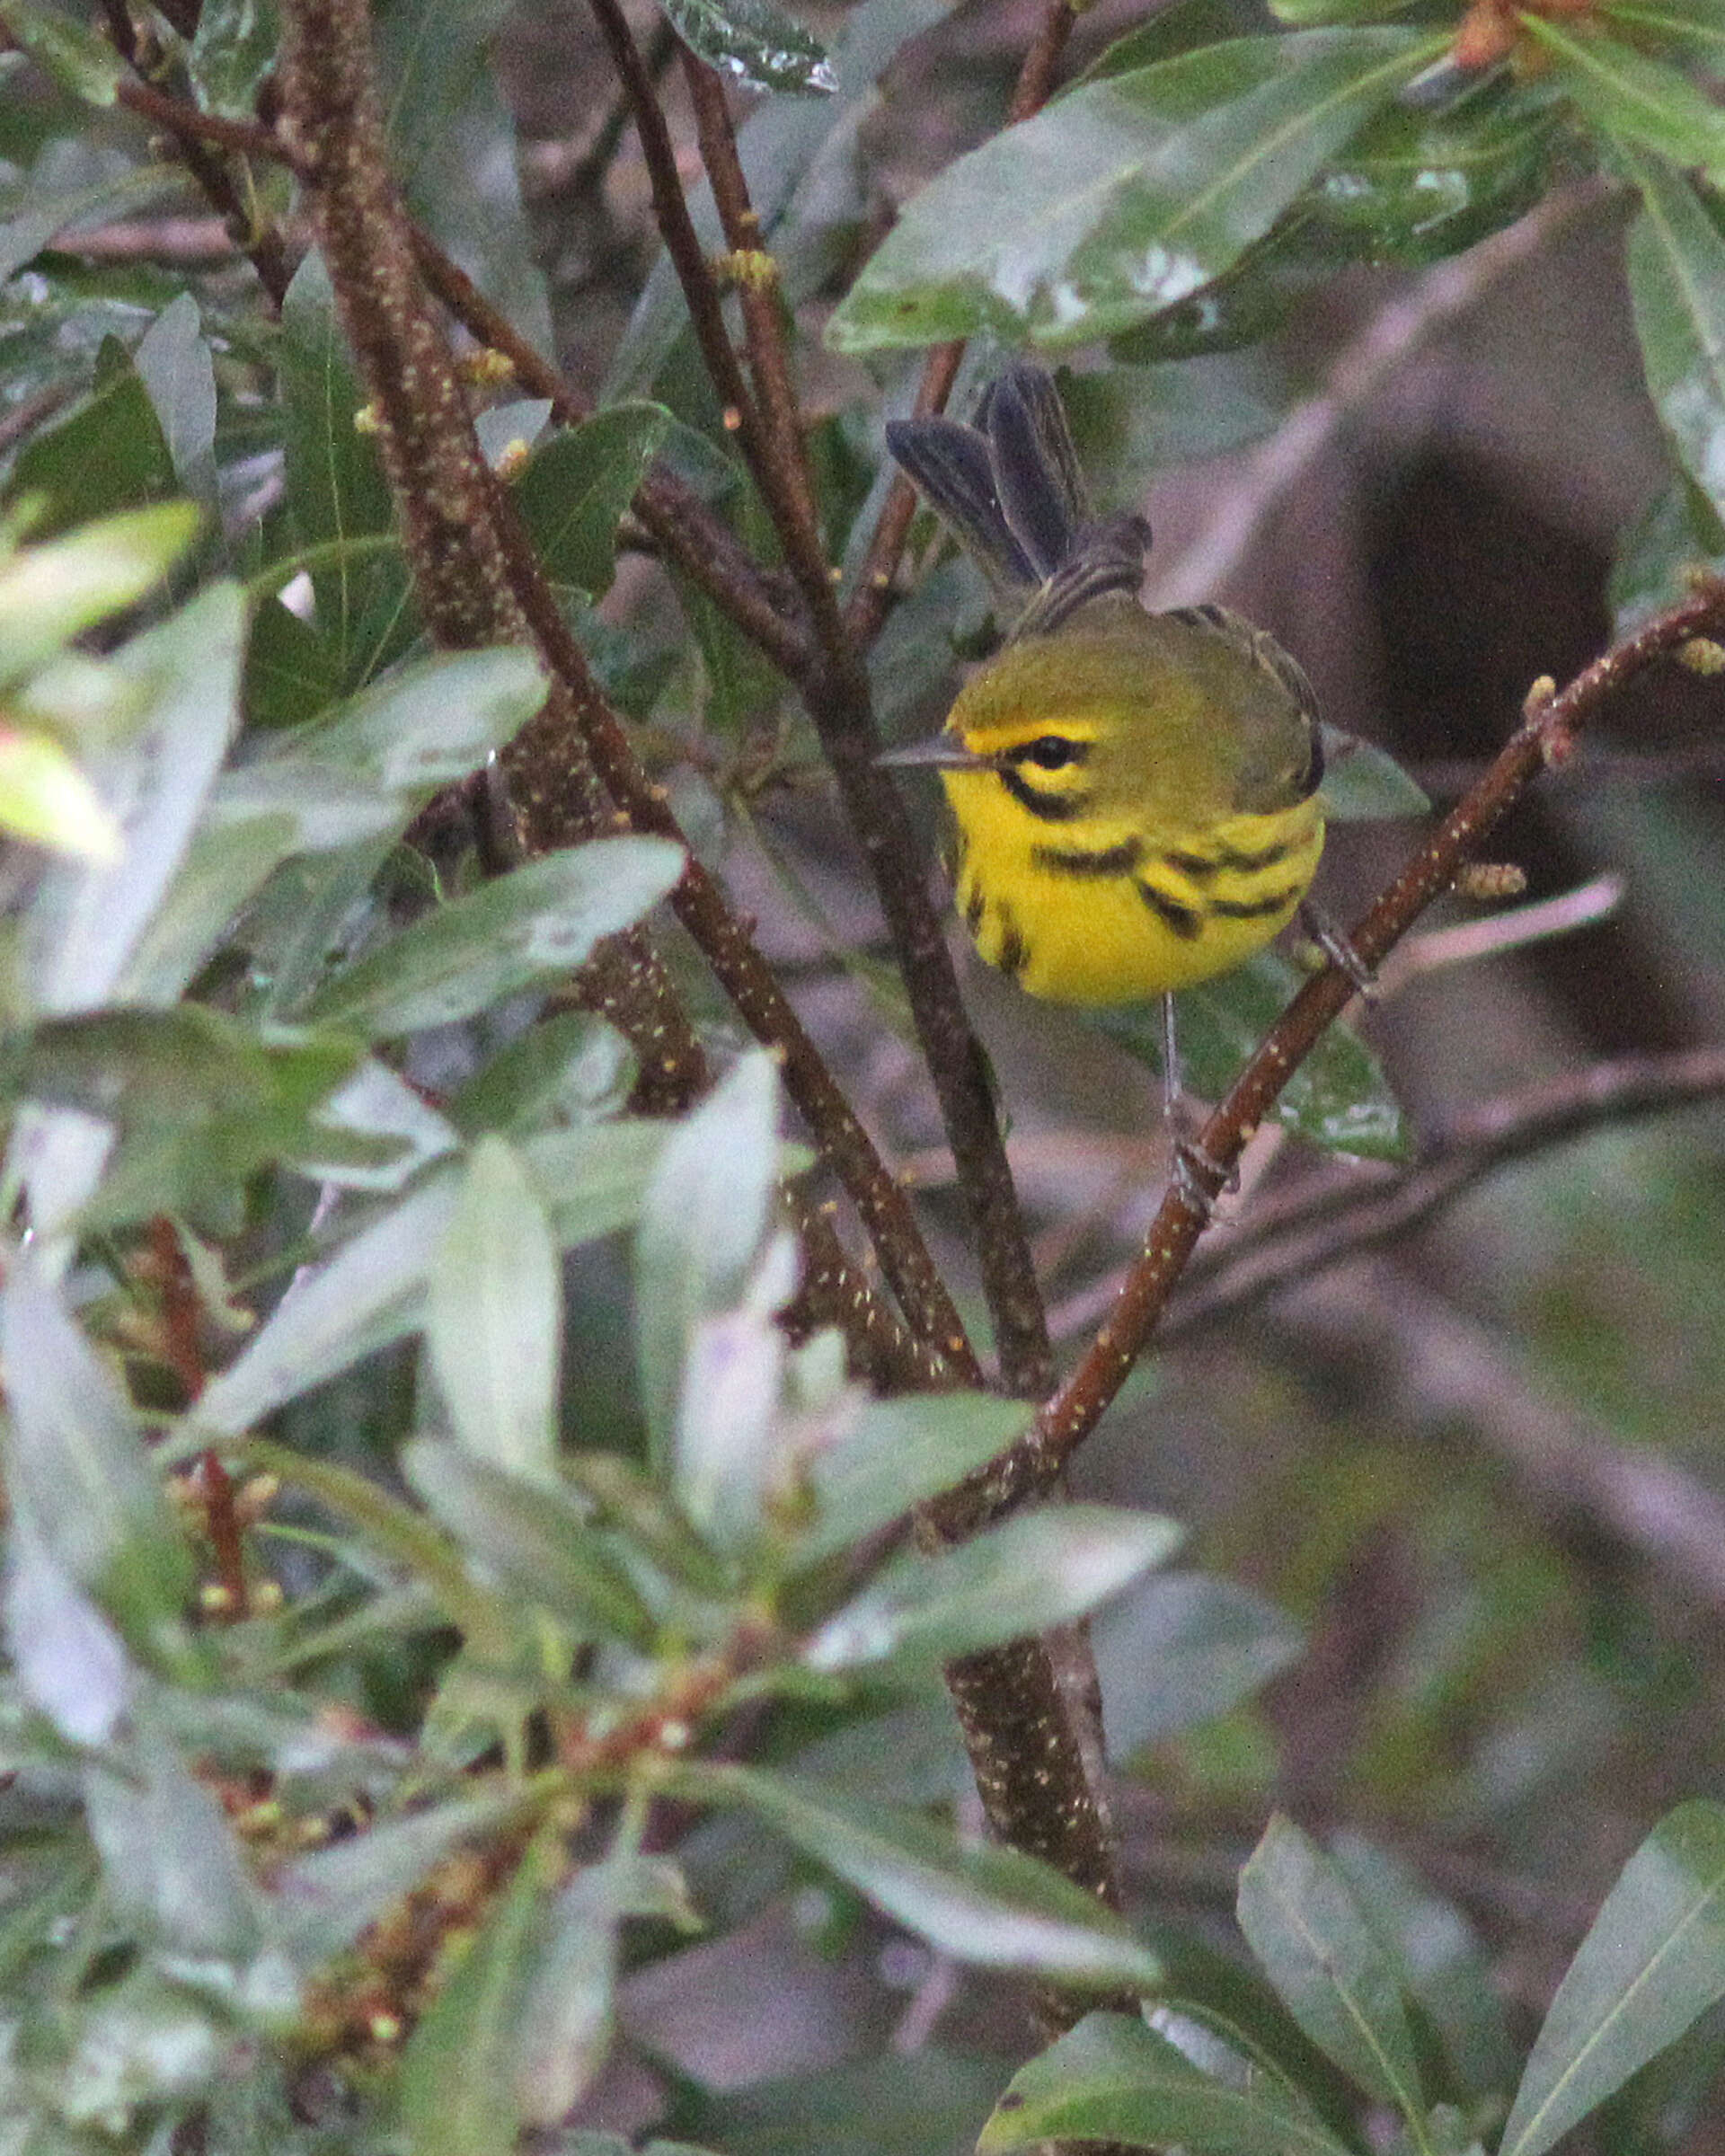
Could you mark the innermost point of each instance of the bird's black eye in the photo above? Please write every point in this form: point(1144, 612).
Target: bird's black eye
point(1052, 752)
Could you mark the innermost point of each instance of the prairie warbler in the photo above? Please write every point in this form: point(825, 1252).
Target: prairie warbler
point(1135, 794)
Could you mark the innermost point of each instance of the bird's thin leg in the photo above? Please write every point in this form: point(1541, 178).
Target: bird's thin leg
point(1332, 941)
point(1201, 1178)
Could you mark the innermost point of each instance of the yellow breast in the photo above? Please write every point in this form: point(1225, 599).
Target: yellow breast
point(1147, 818)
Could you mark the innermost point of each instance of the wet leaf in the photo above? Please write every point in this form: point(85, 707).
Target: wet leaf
point(1125, 196)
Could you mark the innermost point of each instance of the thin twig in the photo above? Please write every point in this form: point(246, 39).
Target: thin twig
point(837, 697)
point(690, 535)
point(1284, 1245)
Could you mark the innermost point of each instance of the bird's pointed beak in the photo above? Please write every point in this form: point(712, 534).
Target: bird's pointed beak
point(940, 752)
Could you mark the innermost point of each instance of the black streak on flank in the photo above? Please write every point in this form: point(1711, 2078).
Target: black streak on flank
point(1014, 953)
point(1253, 909)
point(1104, 864)
point(1182, 920)
point(974, 907)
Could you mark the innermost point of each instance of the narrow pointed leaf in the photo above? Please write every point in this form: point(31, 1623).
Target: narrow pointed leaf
point(74, 1462)
point(1627, 94)
point(1111, 2079)
point(369, 1293)
point(46, 799)
point(894, 1453)
point(459, 2095)
point(534, 1539)
point(174, 365)
point(1302, 1922)
point(1125, 196)
point(84, 923)
point(706, 1214)
point(1030, 1573)
point(50, 592)
point(1653, 1962)
point(1677, 282)
point(976, 1901)
point(494, 1320)
point(576, 488)
point(530, 926)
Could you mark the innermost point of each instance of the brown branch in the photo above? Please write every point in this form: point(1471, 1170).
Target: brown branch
point(836, 692)
point(1286, 1245)
point(688, 533)
point(202, 141)
point(479, 582)
point(1545, 737)
point(701, 292)
point(779, 458)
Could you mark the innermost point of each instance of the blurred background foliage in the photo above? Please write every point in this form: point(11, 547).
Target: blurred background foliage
point(1436, 397)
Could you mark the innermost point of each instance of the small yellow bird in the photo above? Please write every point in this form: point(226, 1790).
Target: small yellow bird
point(1135, 794)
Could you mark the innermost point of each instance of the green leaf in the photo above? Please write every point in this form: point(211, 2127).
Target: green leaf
point(458, 2090)
point(1626, 95)
point(197, 1101)
point(534, 1538)
point(69, 51)
point(570, 1068)
point(107, 454)
point(51, 592)
point(174, 365)
point(169, 1854)
point(977, 1901)
point(1415, 187)
point(895, 1453)
point(565, 2025)
point(1180, 1650)
point(336, 492)
point(1694, 27)
point(424, 725)
point(1677, 282)
point(46, 799)
point(1338, 1098)
point(756, 44)
point(575, 489)
point(67, 1660)
point(1113, 2078)
point(84, 923)
point(1654, 1960)
point(1362, 782)
point(371, 1293)
point(1676, 536)
point(1440, 1963)
point(76, 1466)
point(233, 48)
point(1302, 1922)
point(328, 1898)
point(707, 1212)
point(1026, 1575)
point(624, 1497)
point(494, 1315)
point(594, 1181)
point(928, 2102)
point(527, 928)
point(1125, 196)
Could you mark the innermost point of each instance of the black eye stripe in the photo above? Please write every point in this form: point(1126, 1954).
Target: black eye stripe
point(1047, 751)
